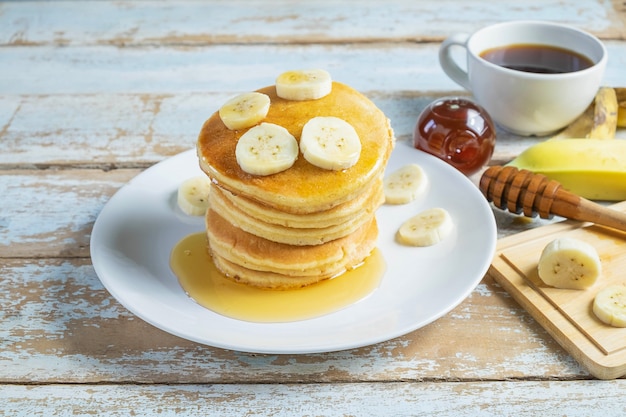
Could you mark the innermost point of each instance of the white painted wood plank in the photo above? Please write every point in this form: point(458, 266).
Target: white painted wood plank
point(385, 68)
point(137, 130)
point(52, 213)
point(49, 70)
point(103, 129)
point(278, 21)
point(463, 399)
point(58, 324)
point(129, 83)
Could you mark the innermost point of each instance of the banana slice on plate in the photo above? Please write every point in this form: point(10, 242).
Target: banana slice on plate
point(244, 110)
point(427, 228)
point(330, 143)
point(609, 305)
point(266, 149)
point(405, 184)
point(303, 84)
point(193, 195)
point(569, 263)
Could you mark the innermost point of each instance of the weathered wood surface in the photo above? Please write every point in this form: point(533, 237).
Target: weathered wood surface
point(93, 92)
point(58, 309)
point(409, 398)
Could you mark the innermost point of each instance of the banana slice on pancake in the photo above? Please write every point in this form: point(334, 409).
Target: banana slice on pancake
point(266, 149)
point(244, 110)
point(330, 143)
point(302, 85)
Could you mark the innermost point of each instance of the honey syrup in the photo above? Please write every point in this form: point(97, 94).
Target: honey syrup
point(204, 283)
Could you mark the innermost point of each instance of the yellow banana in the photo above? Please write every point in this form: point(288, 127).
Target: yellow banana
point(594, 169)
point(621, 106)
point(600, 119)
point(605, 114)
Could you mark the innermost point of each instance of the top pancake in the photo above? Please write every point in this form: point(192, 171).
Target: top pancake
point(303, 188)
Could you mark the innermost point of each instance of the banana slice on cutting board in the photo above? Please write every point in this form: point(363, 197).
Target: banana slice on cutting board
point(427, 228)
point(193, 195)
point(330, 143)
point(266, 149)
point(609, 305)
point(569, 263)
point(303, 84)
point(405, 184)
point(244, 110)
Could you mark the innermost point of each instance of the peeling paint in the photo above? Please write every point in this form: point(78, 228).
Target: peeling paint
point(87, 103)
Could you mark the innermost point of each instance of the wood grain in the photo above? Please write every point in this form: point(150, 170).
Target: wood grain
point(45, 70)
point(567, 313)
point(50, 213)
point(279, 21)
point(411, 398)
point(94, 92)
point(98, 131)
point(89, 337)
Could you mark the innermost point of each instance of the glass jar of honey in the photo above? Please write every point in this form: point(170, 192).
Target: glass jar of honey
point(458, 131)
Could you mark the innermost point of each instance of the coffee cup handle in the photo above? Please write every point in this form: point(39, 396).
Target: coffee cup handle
point(447, 62)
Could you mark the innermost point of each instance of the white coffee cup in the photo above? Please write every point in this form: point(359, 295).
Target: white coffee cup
point(526, 103)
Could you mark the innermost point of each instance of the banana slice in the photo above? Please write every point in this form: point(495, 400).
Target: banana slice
point(405, 184)
point(193, 195)
point(428, 228)
point(304, 84)
point(609, 305)
point(244, 110)
point(266, 149)
point(330, 143)
point(569, 263)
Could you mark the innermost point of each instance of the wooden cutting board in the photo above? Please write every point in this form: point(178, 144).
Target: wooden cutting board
point(567, 314)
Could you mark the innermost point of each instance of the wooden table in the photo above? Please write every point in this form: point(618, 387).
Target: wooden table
point(94, 92)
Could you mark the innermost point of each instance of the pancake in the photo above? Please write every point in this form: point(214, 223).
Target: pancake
point(289, 234)
point(282, 234)
point(304, 224)
point(370, 200)
point(259, 262)
point(303, 188)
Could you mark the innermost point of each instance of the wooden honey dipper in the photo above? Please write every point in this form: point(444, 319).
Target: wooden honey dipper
point(523, 191)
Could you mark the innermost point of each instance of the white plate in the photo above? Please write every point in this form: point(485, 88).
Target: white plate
point(135, 232)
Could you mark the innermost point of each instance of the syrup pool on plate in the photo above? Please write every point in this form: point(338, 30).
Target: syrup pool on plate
point(204, 283)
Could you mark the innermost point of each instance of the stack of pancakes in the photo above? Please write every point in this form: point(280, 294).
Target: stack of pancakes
point(304, 224)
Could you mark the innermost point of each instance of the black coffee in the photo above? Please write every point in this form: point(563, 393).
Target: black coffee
point(540, 59)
